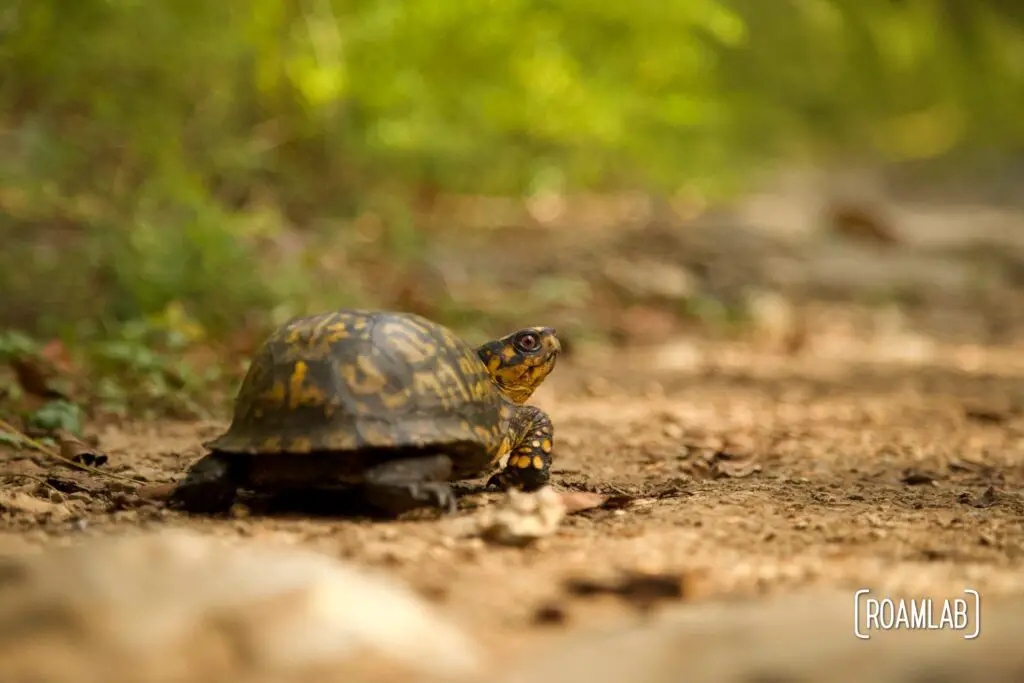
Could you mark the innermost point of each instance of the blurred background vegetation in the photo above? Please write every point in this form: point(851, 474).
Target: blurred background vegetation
point(175, 177)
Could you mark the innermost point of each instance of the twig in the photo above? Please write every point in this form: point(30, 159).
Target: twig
point(43, 448)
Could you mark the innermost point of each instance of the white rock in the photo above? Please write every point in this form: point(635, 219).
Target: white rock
point(524, 517)
point(178, 606)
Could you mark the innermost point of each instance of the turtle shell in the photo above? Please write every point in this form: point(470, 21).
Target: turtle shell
point(353, 380)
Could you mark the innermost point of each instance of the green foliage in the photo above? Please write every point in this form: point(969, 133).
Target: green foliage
point(57, 415)
point(141, 367)
point(145, 366)
point(15, 344)
point(218, 154)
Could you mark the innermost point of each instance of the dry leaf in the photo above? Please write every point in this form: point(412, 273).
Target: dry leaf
point(156, 492)
point(916, 477)
point(57, 355)
point(863, 222)
point(76, 450)
point(989, 414)
point(736, 470)
point(641, 589)
point(986, 500)
point(733, 466)
point(578, 501)
point(34, 379)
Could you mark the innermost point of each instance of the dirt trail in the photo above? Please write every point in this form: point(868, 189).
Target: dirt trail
point(747, 474)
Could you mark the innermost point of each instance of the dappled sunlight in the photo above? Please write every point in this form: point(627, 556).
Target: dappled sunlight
point(294, 296)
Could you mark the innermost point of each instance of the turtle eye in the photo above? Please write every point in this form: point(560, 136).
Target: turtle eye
point(527, 342)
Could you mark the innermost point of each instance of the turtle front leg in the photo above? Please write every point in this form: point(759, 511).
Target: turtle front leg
point(209, 486)
point(399, 485)
point(529, 460)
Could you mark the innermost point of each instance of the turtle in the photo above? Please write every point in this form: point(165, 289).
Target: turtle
point(387, 401)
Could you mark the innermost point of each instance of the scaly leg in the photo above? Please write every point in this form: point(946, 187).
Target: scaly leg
point(209, 486)
point(396, 486)
point(529, 462)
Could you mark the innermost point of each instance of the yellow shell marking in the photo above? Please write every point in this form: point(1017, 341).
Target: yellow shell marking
point(313, 338)
point(538, 462)
point(301, 444)
point(395, 400)
point(503, 448)
point(364, 378)
point(275, 394)
point(466, 366)
point(295, 384)
point(546, 445)
point(413, 349)
point(453, 385)
point(371, 381)
point(450, 339)
point(375, 434)
point(339, 331)
point(522, 462)
point(299, 393)
point(427, 382)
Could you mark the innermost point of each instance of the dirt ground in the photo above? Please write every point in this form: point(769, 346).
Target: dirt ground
point(736, 471)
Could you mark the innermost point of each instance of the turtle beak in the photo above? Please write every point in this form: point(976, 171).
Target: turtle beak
point(556, 344)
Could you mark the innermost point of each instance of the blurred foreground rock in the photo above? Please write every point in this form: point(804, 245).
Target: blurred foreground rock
point(523, 517)
point(804, 638)
point(178, 606)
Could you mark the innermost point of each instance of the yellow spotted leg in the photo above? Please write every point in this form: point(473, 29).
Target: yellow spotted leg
point(529, 461)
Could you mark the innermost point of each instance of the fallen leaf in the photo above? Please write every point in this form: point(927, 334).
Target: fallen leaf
point(962, 465)
point(57, 355)
point(34, 379)
point(620, 502)
point(988, 414)
point(643, 590)
point(986, 500)
point(578, 501)
point(76, 481)
point(735, 470)
point(155, 492)
point(76, 450)
point(916, 477)
point(935, 554)
point(550, 615)
point(717, 463)
point(725, 464)
point(862, 222)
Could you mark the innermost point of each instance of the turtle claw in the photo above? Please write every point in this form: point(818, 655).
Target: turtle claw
point(439, 494)
point(499, 481)
point(209, 487)
point(529, 480)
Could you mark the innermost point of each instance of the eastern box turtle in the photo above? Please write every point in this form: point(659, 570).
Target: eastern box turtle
point(391, 402)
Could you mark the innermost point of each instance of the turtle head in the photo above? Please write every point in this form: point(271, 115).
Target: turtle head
point(519, 362)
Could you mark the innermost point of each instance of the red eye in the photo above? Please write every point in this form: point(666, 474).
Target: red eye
point(528, 342)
